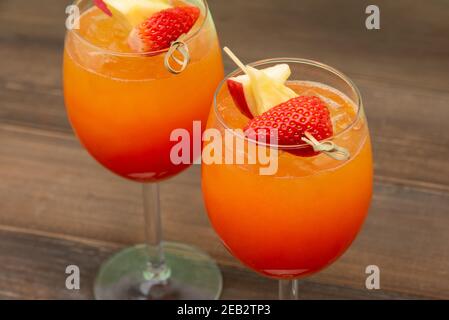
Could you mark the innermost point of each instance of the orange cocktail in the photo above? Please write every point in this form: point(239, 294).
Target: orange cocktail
point(134, 73)
point(124, 105)
point(304, 216)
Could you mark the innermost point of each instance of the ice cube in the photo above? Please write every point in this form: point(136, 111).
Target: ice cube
point(341, 121)
point(329, 102)
point(309, 92)
point(336, 119)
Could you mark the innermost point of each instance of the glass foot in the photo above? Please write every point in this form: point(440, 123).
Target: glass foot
point(193, 276)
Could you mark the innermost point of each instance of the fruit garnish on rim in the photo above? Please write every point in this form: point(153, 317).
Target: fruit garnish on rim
point(280, 114)
point(131, 12)
point(290, 121)
point(262, 89)
point(153, 24)
point(163, 28)
point(241, 90)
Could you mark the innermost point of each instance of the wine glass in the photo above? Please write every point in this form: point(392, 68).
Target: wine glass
point(123, 107)
point(293, 221)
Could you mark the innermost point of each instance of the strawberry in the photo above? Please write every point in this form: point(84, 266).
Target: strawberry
point(291, 120)
point(161, 29)
point(103, 7)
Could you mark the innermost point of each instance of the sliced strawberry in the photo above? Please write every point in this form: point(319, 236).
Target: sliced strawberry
point(163, 28)
point(291, 120)
point(103, 7)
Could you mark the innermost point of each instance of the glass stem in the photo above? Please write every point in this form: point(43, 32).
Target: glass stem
point(288, 290)
point(157, 269)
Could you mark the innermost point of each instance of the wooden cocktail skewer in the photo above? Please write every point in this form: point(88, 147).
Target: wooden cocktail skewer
point(328, 147)
point(235, 59)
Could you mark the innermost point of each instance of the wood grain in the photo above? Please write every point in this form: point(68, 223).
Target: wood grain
point(59, 207)
point(64, 193)
point(40, 273)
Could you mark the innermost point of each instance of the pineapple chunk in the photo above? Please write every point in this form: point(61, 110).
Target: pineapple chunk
point(267, 92)
point(134, 12)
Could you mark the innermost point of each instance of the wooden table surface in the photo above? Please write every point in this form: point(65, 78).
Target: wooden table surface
point(59, 207)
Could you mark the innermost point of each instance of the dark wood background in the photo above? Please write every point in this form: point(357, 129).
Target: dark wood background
point(59, 207)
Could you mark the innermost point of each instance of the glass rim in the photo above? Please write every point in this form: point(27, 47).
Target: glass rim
point(138, 54)
point(334, 71)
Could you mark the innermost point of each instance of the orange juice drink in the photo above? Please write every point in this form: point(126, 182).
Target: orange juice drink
point(124, 105)
point(135, 73)
point(304, 216)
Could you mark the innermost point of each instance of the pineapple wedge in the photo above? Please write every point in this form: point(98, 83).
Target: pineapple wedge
point(267, 92)
point(134, 12)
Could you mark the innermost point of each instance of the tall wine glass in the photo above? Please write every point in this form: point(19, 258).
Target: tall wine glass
point(298, 219)
point(123, 106)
